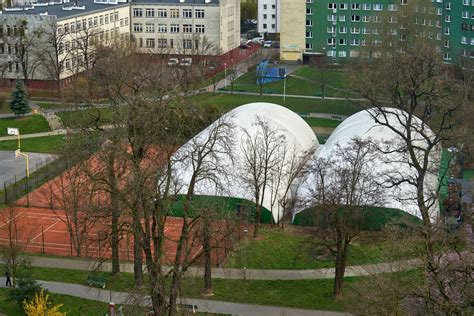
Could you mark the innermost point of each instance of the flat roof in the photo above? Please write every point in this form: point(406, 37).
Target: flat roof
point(56, 7)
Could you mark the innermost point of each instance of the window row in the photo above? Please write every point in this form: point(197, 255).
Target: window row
point(168, 43)
point(164, 13)
point(84, 24)
point(164, 28)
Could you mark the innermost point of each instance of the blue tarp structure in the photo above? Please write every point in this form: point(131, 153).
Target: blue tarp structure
point(266, 74)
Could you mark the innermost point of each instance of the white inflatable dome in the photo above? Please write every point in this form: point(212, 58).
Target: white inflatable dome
point(299, 137)
point(363, 126)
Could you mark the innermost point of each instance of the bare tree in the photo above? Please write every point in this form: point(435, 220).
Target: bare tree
point(261, 154)
point(54, 51)
point(22, 42)
point(420, 100)
point(12, 252)
point(344, 186)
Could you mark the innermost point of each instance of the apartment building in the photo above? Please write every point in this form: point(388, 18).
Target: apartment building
point(269, 16)
point(340, 30)
point(181, 27)
point(70, 32)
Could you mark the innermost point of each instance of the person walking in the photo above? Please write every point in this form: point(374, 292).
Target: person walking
point(7, 276)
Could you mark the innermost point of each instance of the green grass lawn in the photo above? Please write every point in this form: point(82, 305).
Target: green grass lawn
point(321, 122)
point(72, 305)
point(27, 124)
point(299, 105)
point(338, 78)
point(46, 144)
point(85, 117)
point(295, 86)
point(309, 294)
point(279, 249)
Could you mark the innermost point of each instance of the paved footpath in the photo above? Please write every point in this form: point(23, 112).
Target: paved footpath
point(209, 306)
point(237, 274)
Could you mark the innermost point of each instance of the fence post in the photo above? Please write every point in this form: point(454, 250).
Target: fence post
point(27, 192)
point(6, 193)
point(42, 238)
point(98, 237)
point(14, 188)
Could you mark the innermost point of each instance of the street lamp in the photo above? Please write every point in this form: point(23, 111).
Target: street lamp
point(225, 75)
point(322, 71)
point(245, 255)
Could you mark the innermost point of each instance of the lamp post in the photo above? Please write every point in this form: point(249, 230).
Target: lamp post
point(245, 255)
point(225, 75)
point(322, 71)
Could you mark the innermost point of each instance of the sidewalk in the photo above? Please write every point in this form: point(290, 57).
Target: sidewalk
point(209, 306)
point(43, 134)
point(236, 274)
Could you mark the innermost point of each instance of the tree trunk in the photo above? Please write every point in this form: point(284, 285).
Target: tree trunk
point(115, 240)
point(341, 255)
point(207, 260)
point(137, 252)
point(174, 293)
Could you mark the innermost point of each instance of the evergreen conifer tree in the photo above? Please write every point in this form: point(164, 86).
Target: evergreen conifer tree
point(19, 103)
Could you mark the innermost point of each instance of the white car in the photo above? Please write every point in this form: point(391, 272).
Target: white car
point(173, 62)
point(267, 44)
point(258, 40)
point(186, 61)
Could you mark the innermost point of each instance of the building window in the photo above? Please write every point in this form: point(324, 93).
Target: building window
point(355, 6)
point(463, 40)
point(342, 53)
point(187, 44)
point(355, 42)
point(365, 30)
point(150, 43)
point(342, 41)
point(465, 14)
point(174, 13)
point(343, 6)
point(150, 13)
point(309, 22)
point(161, 13)
point(264, 16)
point(309, 11)
point(331, 29)
point(342, 29)
point(366, 18)
point(447, 18)
point(199, 28)
point(187, 13)
point(448, 6)
point(174, 28)
point(137, 13)
point(309, 46)
point(366, 6)
point(199, 13)
point(392, 7)
point(150, 28)
point(162, 43)
point(342, 18)
point(378, 7)
point(355, 30)
point(355, 18)
point(137, 27)
point(331, 18)
point(309, 34)
point(331, 41)
point(332, 5)
point(187, 28)
point(265, 25)
point(162, 28)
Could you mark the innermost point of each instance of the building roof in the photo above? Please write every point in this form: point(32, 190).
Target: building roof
point(69, 8)
point(299, 138)
point(363, 126)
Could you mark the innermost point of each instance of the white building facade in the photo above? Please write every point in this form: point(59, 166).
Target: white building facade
point(269, 16)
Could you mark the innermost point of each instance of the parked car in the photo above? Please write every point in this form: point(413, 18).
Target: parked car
point(173, 62)
point(267, 44)
point(186, 61)
point(259, 40)
point(244, 46)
